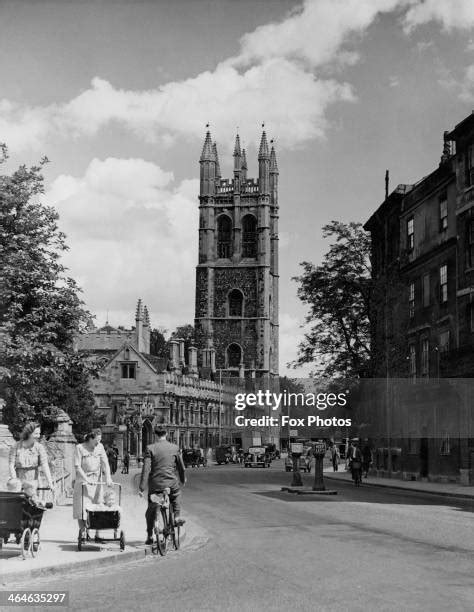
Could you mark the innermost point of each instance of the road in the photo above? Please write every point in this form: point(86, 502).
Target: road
point(363, 549)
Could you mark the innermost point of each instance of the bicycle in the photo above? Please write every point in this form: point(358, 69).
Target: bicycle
point(165, 528)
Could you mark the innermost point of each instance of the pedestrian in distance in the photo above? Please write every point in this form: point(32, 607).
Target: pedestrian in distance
point(335, 455)
point(366, 459)
point(126, 462)
point(112, 460)
point(355, 460)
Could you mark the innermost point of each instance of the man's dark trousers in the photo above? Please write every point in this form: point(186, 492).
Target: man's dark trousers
point(175, 499)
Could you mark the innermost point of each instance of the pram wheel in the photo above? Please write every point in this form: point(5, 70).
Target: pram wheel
point(25, 542)
point(35, 542)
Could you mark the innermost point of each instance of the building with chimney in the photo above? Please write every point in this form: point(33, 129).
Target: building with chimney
point(135, 391)
point(108, 338)
point(423, 320)
point(236, 313)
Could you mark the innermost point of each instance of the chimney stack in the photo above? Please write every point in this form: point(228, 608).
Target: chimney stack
point(192, 361)
point(174, 355)
point(182, 360)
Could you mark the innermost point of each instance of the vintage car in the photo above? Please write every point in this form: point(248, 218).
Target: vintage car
point(223, 454)
point(305, 462)
point(257, 457)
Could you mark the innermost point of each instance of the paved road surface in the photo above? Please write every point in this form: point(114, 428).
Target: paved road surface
point(364, 549)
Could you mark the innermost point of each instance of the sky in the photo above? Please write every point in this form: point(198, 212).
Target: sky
point(117, 94)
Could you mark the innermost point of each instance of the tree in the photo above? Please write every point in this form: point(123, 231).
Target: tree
point(186, 333)
point(338, 294)
point(158, 344)
point(40, 310)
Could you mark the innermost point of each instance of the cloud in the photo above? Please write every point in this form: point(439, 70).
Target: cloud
point(466, 86)
point(276, 76)
point(291, 100)
point(423, 45)
point(272, 78)
point(451, 14)
point(393, 81)
point(315, 32)
point(132, 232)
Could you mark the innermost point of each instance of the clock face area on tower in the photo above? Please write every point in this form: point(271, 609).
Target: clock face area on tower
point(236, 315)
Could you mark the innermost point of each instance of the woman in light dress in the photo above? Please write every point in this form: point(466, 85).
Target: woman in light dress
point(27, 457)
point(90, 463)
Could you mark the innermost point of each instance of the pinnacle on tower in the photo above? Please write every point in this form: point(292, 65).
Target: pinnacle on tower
point(216, 159)
point(139, 312)
point(244, 160)
point(237, 155)
point(237, 146)
point(273, 161)
point(263, 152)
point(146, 316)
point(207, 153)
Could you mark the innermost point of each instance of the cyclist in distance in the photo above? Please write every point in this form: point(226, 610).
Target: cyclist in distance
point(162, 467)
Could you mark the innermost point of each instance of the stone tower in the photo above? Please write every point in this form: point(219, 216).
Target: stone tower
point(237, 273)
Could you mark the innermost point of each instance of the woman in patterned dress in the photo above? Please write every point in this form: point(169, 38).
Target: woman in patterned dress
point(89, 463)
point(28, 456)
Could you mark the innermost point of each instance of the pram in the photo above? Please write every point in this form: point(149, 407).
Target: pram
point(102, 519)
point(21, 519)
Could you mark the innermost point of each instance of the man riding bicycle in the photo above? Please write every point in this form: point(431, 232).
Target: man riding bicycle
point(161, 461)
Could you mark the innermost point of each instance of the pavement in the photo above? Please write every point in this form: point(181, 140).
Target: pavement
point(59, 555)
point(365, 549)
point(433, 488)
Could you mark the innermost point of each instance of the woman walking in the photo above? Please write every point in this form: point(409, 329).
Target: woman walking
point(27, 457)
point(335, 455)
point(89, 463)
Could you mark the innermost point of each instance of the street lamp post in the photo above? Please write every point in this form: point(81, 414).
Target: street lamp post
point(296, 452)
point(319, 452)
point(220, 406)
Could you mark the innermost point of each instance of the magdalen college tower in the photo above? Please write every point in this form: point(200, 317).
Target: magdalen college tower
point(237, 274)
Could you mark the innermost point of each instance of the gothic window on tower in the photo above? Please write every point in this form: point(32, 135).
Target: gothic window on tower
point(236, 303)
point(249, 236)
point(224, 237)
point(234, 355)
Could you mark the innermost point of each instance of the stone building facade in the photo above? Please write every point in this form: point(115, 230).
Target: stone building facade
point(423, 320)
point(236, 316)
point(136, 391)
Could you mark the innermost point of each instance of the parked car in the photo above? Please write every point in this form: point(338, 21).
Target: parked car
point(223, 454)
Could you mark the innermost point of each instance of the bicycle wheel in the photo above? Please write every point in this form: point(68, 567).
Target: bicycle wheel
point(175, 532)
point(161, 531)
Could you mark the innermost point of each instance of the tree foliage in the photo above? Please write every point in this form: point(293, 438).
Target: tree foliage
point(338, 293)
point(158, 343)
point(40, 310)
